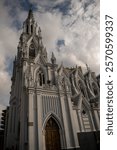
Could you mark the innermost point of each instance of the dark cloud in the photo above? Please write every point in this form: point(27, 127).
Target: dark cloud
point(63, 7)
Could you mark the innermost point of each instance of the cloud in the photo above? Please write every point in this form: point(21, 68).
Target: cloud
point(8, 40)
point(51, 26)
point(75, 24)
point(79, 29)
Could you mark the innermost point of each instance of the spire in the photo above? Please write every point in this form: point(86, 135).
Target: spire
point(30, 14)
point(53, 59)
point(30, 26)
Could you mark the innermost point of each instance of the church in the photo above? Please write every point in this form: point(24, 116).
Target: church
point(51, 107)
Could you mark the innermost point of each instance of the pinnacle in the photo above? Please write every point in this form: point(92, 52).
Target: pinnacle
point(88, 69)
point(53, 59)
point(30, 14)
point(52, 55)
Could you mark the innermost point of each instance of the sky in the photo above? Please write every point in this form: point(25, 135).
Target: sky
point(70, 28)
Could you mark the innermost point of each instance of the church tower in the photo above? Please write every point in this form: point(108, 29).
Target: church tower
point(51, 107)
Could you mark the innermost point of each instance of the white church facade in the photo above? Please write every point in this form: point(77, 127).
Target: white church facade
point(51, 107)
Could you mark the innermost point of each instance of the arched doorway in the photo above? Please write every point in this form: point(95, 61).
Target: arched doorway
point(52, 136)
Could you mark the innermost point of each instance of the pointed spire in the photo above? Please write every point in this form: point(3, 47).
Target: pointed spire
point(30, 26)
point(76, 71)
point(88, 69)
point(53, 59)
point(30, 14)
point(60, 69)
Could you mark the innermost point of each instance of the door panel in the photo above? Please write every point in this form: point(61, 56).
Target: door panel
point(52, 136)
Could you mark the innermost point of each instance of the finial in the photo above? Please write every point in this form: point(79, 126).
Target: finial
point(39, 30)
point(30, 14)
point(53, 59)
point(87, 67)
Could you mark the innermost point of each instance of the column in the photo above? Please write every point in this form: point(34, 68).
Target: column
point(76, 120)
point(49, 74)
point(31, 132)
point(82, 129)
point(72, 121)
point(44, 144)
point(39, 116)
point(92, 122)
point(36, 121)
point(96, 119)
point(77, 128)
point(66, 121)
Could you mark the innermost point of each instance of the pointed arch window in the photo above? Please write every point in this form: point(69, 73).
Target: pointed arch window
point(27, 29)
point(40, 78)
point(43, 79)
point(31, 28)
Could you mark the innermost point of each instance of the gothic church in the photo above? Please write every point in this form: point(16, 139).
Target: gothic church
point(51, 107)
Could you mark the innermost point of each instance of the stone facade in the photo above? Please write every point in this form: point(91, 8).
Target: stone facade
point(45, 96)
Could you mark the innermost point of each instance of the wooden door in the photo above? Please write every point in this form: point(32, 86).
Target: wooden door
point(52, 136)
